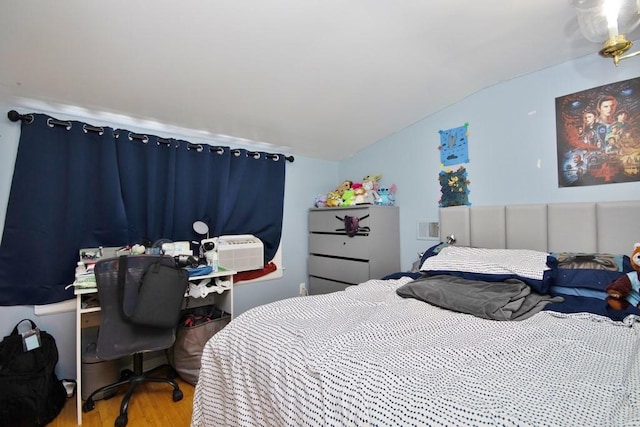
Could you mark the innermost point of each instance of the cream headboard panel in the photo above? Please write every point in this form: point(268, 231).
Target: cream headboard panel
point(606, 227)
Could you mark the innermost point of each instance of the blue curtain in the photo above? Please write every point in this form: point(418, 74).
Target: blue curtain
point(76, 186)
point(252, 195)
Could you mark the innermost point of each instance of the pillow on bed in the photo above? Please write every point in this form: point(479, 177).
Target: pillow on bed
point(432, 251)
point(493, 265)
point(581, 304)
point(414, 273)
point(578, 292)
point(589, 270)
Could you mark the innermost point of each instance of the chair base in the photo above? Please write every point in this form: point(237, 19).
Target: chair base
point(133, 378)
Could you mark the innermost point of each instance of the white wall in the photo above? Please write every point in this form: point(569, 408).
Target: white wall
point(512, 147)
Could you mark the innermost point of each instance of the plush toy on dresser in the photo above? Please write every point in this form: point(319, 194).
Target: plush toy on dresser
point(320, 201)
point(349, 193)
point(348, 198)
point(626, 290)
point(370, 185)
point(333, 199)
point(346, 185)
point(386, 196)
point(359, 193)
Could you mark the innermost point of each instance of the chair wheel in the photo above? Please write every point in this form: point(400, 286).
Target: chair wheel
point(126, 374)
point(177, 395)
point(88, 405)
point(122, 420)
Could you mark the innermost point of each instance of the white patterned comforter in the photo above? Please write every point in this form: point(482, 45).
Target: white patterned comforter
point(368, 357)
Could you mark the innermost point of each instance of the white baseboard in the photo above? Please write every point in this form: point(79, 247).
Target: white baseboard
point(57, 307)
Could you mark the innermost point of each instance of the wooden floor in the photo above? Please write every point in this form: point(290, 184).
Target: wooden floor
point(151, 405)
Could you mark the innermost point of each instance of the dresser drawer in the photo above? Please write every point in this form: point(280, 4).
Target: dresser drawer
point(319, 286)
point(344, 270)
point(340, 245)
point(329, 221)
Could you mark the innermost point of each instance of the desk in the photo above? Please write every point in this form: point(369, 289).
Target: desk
point(211, 289)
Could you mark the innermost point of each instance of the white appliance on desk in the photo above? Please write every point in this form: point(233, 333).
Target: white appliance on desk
point(240, 252)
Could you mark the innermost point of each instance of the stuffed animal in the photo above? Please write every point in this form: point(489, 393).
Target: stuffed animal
point(392, 194)
point(370, 193)
point(333, 199)
point(359, 192)
point(383, 196)
point(625, 290)
point(340, 189)
point(386, 196)
point(374, 179)
point(370, 185)
point(348, 198)
point(320, 201)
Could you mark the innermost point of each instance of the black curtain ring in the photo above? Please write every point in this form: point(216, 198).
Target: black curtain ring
point(53, 122)
point(162, 141)
point(86, 128)
point(198, 147)
point(139, 137)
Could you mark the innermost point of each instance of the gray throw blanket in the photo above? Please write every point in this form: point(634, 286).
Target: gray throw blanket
point(511, 299)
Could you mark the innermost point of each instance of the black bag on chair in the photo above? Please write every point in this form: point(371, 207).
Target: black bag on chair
point(160, 291)
point(30, 392)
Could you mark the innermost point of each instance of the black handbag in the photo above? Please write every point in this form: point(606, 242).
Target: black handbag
point(159, 296)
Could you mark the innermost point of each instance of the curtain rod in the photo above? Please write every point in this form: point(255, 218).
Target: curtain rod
point(14, 116)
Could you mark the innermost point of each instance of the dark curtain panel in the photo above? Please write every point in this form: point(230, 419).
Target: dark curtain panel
point(74, 188)
point(65, 195)
point(255, 198)
point(169, 184)
point(202, 179)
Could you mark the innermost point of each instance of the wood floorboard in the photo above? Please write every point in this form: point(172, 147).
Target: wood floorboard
point(151, 405)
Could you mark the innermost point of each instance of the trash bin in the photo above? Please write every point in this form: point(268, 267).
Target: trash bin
point(97, 373)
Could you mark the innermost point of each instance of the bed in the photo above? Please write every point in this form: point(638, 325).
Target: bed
point(374, 355)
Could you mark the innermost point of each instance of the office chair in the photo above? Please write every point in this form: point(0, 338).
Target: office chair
point(118, 290)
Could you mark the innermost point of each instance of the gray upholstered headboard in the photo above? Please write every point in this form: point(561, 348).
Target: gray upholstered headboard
point(604, 227)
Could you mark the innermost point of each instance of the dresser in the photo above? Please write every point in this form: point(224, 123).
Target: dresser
point(337, 260)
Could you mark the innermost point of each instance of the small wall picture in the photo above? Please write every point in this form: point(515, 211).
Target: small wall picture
point(455, 188)
point(454, 145)
point(598, 135)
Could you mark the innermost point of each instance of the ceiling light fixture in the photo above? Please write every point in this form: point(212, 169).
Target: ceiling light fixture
point(608, 22)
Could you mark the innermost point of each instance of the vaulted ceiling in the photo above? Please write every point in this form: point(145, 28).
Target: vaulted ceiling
point(318, 78)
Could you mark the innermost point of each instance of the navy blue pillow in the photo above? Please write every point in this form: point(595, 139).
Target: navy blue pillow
point(578, 304)
point(589, 270)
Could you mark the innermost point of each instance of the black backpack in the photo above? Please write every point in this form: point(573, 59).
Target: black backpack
point(30, 392)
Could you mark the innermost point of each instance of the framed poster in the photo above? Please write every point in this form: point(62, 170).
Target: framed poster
point(598, 135)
